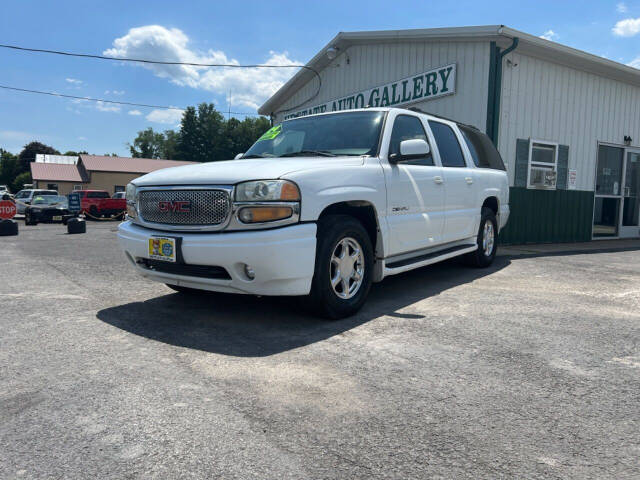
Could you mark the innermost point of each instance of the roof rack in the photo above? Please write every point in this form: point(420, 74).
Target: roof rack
point(416, 109)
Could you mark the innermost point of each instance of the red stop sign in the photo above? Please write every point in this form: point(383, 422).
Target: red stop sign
point(7, 209)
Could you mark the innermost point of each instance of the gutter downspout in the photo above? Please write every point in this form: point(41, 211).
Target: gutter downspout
point(495, 88)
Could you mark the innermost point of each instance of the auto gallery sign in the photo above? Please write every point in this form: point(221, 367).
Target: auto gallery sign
point(423, 86)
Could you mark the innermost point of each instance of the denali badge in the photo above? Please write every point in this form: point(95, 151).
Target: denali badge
point(180, 206)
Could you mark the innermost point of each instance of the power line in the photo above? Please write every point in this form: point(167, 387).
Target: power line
point(55, 94)
point(163, 62)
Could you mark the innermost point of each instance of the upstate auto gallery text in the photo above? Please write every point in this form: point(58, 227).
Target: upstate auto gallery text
point(431, 84)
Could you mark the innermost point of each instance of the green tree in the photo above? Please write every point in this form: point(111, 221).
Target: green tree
point(148, 144)
point(188, 141)
point(19, 182)
point(8, 167)
point(170, 146)
point(29, 152)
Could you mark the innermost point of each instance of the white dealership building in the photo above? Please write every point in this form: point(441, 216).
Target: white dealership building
point(566, 122)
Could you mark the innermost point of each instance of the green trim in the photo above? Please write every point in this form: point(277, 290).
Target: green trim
point(548, 216)
point(495, 88)
point(493, 54)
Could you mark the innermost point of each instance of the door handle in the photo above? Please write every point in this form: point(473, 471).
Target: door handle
point(438, 180)
point(469, 180)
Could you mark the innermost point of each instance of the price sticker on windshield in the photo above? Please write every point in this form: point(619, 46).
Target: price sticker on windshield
point(272, 133)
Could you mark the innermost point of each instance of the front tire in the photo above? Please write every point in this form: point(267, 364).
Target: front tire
point(343, 269)
point(28, 219)
point(487, 241)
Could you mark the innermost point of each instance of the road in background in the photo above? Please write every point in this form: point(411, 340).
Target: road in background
point(528, 369)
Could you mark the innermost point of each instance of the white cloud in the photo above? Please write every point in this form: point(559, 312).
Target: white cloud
point(549, 35)
point(114, 92)
point(249, 87)
point(82, 138)
point(107, 107)
point(171, 117)
point(134, 112)
point(635, 63)
point(74, 81)
point(627, 27)
point(622, 7)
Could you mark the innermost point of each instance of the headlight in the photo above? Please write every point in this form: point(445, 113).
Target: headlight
point(267, 191)
point(130, 196)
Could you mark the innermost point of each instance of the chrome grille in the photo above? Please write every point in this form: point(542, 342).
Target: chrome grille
point(206, 207)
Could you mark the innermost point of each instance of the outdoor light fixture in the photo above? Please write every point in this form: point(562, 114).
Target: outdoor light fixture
point(627, 140)
point(332, 52)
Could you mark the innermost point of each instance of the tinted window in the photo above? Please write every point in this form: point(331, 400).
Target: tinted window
point(484, 153)
point(407, 127)
point(448, 146)
point(355, 133)
point(97, 195)
point(45, 192)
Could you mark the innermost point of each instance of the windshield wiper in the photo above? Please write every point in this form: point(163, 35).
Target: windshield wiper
point(304, 153)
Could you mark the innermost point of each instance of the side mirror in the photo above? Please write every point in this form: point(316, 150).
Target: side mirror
point(412, 149)
point(238, 156)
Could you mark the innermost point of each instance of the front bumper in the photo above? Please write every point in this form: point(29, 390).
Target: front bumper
point(283, 259)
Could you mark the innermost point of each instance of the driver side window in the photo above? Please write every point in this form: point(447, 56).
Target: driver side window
point(408, 127)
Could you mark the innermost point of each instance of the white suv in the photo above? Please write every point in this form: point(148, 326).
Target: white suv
point(322, 206)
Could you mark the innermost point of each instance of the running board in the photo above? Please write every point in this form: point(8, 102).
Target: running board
point(400, 266)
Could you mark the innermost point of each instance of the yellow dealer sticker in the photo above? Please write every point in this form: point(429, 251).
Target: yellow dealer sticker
point(161, 248)
point(272, 133)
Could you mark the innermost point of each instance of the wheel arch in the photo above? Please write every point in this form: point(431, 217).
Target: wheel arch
point(365, 212)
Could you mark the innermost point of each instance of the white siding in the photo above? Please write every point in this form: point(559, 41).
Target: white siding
point(376, 64)
point(547, 101)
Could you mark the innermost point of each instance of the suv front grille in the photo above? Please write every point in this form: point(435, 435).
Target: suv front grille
point(184, 207)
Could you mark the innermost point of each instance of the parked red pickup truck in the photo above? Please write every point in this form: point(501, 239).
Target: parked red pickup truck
point(98, 203)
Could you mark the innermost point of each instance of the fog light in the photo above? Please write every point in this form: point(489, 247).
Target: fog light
point(248, 271)
point(264, 214)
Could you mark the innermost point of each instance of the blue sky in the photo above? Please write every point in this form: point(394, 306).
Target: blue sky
point(243, 32)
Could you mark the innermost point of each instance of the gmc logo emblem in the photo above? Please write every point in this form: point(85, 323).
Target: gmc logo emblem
point(180, 206)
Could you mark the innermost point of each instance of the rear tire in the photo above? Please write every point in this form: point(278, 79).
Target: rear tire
point(343, 269)
point(487, 241)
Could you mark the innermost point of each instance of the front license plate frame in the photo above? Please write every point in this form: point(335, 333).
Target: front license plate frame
point(163, 249)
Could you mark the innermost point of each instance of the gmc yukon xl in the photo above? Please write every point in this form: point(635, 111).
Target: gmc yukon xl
point(322, 206)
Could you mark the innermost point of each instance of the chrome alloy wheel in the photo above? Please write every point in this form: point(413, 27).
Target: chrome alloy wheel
point(346, 269)
point(488, 238)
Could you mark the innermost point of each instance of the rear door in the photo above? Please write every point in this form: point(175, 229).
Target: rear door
point(415, 196)
point(460, 199)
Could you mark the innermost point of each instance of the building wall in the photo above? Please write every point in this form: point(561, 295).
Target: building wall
point(64, 188)
point(546, 101)
point(542, 100)
point(376, 64)
point(108, 180)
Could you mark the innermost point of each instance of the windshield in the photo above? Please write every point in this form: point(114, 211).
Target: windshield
point(50, 200)
point(355, 133)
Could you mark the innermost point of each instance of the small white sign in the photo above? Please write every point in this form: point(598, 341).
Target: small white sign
point(572, 179)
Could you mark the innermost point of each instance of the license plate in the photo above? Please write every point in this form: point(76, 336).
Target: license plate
point(161, 248)
point(57, 218)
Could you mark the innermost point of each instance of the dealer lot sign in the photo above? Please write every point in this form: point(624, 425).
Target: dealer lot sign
point(423, 86)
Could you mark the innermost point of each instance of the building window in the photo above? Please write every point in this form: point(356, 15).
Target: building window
point(77, 187)
point(543, 165)
point(118, 188)
point(52, 186)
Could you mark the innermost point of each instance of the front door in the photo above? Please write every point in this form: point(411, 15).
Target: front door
point(617, 193)
point(630, 218)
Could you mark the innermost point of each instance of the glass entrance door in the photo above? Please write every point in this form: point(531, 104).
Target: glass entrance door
point(606, 210)
point(630, 218)
point(616, 211)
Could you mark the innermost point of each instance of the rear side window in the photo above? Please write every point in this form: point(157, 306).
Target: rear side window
point(406, 127)
point(97, 195)
point(448, 146)
point(483, 152)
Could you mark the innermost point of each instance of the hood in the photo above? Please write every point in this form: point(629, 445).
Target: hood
point(229, 172)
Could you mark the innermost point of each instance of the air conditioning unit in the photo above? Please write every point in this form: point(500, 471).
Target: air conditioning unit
point(542, 177)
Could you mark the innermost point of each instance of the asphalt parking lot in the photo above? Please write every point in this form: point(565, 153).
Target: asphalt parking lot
point(529, 369)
